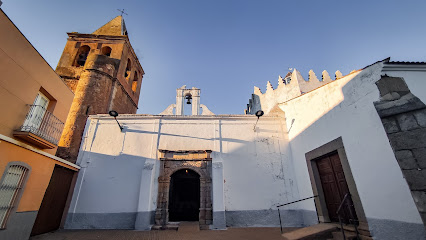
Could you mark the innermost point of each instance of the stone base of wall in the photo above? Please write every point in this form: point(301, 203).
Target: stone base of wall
point(19, 226)
point(309, 218)
point(100, 221)
point(144, 220)
point(269, 218)
point(219, 220)
point(382, 229)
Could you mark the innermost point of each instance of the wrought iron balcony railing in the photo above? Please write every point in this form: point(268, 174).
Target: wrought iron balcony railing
point(43, 124)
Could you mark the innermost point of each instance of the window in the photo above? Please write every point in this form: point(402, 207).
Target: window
point(106, 51)
point(135, 82)
point(37, 111)
point(83, 52)
point(41, 123)
point(10, 188)
point(127, 71)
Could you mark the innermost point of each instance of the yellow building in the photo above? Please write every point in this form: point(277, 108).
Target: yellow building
point(35, 103)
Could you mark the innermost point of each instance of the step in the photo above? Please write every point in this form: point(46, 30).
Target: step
point(189, 227)
point(314, 232)
point(169, 226)
point(339, 235)
point(365, 234)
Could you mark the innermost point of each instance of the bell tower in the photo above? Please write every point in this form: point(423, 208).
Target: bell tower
point(192, 96)
point(187, 96)
point(104, 73)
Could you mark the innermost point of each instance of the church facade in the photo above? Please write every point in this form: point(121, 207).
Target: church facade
point(323, 142)
point(151, 148)
point(357, 140)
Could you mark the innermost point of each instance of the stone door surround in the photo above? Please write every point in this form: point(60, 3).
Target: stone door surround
point(334, 146)
point(171, 161)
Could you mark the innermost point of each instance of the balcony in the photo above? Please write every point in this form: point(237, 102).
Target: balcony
point(41, 128)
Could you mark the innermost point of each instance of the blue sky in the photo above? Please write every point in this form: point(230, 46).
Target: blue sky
point(225, 47)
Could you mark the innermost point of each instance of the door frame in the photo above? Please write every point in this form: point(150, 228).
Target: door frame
point(198, 161)
point(334, 146)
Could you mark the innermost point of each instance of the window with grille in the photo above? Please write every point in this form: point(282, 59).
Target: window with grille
point(10, 187)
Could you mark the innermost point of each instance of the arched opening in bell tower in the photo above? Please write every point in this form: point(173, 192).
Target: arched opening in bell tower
point(106, 51)
point(187, 108)
point(81, 57)
point(184, 196)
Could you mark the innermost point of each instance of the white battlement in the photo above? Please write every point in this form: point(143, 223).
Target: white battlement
point(289, 87)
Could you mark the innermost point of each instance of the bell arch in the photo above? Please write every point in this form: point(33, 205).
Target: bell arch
point(106, 51)
point(181, 99)
point(173, 162)
point(81, 57)
point(184, 96)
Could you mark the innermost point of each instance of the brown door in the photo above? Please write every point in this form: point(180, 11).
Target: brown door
point(50, 213)
point(334, 185)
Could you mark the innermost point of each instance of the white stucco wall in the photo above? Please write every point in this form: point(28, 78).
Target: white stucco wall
point(116, 175)
point(253, 170)
point(344, 108)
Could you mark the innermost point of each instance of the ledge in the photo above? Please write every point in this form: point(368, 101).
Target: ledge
point(184, 151)
point(186, 159)
point(71, 166)
point(185, 117)
point(404, 66)
point(406, 103)
point(34, 139)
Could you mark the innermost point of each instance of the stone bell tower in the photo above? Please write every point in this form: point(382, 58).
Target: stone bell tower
point(104, 73)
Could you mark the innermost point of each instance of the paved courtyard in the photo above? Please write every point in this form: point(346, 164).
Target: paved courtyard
point(230, 233)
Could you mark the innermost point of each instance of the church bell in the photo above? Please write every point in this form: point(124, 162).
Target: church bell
point(188, 98)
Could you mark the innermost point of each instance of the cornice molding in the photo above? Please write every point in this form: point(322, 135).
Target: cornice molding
point(403, 67)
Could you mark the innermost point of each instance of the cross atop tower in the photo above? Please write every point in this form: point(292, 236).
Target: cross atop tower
point(122, 11)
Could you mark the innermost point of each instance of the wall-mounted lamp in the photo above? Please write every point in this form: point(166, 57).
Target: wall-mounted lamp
point(114, 114)
point(258, 115)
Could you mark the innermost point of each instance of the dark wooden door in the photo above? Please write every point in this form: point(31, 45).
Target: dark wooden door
point(52, 207)
point(334, 185)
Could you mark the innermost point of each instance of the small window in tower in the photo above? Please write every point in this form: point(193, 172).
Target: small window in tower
point(127, 71)
point(106, 51)
point(83, 52)
point(135, 82)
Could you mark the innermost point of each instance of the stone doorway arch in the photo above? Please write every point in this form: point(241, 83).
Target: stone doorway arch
point(198, 161)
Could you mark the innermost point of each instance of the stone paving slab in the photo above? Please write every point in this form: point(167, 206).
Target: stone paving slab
point(230, 233)
point(311, 232)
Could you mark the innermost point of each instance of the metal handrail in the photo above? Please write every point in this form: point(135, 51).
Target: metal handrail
point(297, 201)
point(279, 213)
point(347, 195)
point(347, 198)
